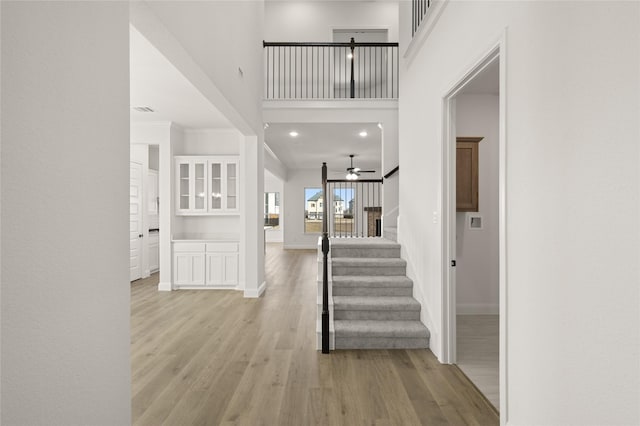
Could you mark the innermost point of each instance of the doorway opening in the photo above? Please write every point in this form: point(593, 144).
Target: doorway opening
point(474, 280)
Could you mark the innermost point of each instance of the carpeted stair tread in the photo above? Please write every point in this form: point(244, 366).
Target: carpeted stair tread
point(364, 243)
point(381, 343)
point(376, 303)
point(373, 307)
point(368, 261)
point(369, 328)
point(371, 281)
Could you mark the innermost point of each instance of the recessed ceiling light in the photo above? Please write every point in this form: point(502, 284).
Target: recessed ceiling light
point(142, 109)
point(380, 126)
point(363, 134)
point(266, 126)
point(293, 133)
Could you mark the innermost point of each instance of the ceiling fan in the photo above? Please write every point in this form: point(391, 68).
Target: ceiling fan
point(354, 172)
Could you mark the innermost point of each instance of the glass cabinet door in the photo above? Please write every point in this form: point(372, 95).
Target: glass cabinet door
point(184, 186)
point(216, 186)
point(232, 186)
point(199, 191)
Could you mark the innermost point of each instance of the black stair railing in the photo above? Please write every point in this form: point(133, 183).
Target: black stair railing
point(331, 70)
point(325, 268)
point(353, 208)
point(356, 208)
point(419, 9)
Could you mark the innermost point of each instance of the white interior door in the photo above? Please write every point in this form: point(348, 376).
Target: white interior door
point(135, 221)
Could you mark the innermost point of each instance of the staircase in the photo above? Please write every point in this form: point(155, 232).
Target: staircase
point(373, 307)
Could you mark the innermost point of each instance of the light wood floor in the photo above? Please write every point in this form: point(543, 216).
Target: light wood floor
point(478, 352)
point(213, 357)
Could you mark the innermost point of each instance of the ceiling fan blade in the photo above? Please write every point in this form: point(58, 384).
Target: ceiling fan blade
point(367, 171)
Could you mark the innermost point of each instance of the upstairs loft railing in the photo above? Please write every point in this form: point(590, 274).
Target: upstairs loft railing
point(331, 70)
point(419, 9)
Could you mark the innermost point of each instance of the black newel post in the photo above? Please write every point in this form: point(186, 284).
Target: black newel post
point(325, 271)
point(352, 82)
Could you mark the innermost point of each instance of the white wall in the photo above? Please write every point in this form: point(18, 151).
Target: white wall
point(65, 285)
point(273, 184)
point(294, 205)
point(315, 20)
point(572, 185)
point(211, 142)
point(477, 258)
point(208, 42)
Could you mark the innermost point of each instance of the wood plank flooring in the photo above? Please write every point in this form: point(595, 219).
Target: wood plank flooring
point(478, 341)
point(213, 357)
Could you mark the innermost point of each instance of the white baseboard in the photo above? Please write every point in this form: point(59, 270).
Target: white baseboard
point(300, 246)
point(255, 293)
point(164, 286)
point(200, 287)
point(478, 309)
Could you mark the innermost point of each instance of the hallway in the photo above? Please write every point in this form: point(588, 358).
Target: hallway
point(212, 357)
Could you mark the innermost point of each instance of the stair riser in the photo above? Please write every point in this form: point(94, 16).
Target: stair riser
point(377, 315)
point(380, 343)
point(391, 235)
point(372, 291)
point(368, 252)
point(373, 270)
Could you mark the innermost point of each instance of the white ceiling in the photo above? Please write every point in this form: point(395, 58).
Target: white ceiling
point(157, 84)
point(331, 143)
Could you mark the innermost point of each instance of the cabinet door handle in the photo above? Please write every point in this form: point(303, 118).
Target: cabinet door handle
point(139, 235)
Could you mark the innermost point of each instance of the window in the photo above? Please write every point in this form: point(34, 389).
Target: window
point(343, 200)
point(272, 209)
point(313, 210)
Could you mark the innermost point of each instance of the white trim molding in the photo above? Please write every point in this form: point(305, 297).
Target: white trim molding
point(255, 293)
point(339, 103)
point(425, 28)
point(165, 286)
point(496, 50)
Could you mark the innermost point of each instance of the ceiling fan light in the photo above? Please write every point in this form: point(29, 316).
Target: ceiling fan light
point(352, 176)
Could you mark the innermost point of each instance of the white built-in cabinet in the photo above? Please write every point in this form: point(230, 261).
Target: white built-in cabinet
point(205, 264)
point(207, 185)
